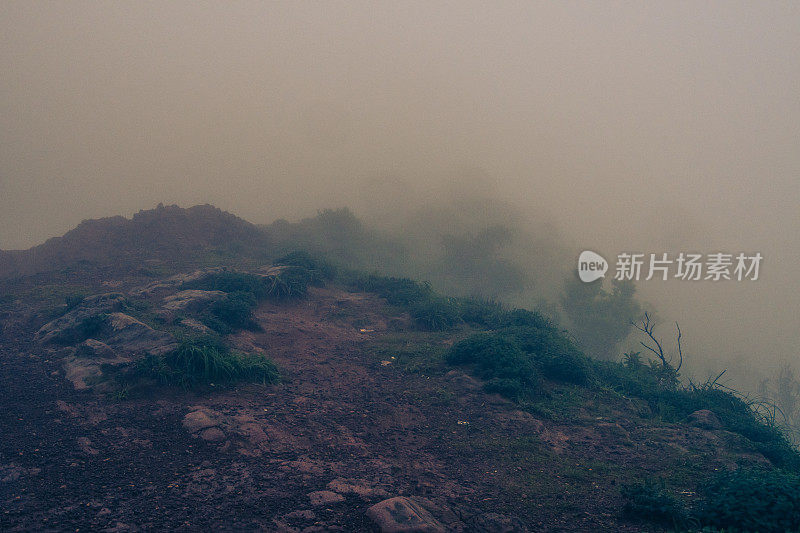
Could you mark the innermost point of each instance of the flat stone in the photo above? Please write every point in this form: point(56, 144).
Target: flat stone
point(403, 515)
point(199, 419)
point(192, 300)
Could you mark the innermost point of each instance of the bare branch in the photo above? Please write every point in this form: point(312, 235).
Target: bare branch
point(647, 326)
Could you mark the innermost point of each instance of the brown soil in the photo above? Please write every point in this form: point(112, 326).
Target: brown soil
point(345, 421)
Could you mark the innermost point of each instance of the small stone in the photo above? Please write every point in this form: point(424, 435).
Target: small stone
point(324, 497)
point(197, 420)
point(212, 434)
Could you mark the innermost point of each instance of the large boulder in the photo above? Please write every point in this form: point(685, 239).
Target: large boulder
point(81, 322)
point(403, 515)
point(130, 336)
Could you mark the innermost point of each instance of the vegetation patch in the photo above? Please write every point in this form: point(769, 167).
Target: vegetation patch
point(233, 312)
point(507, 369)
point(206, 361)
point(318, 269)
point(651, 501)
point(747, 499)
point(752, 500)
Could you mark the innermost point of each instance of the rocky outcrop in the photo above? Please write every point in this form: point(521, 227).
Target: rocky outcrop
point(73, 327)
point(403, 515)
point(124, 339)
point(132, 337)
point(193, 300)
point(173, 282)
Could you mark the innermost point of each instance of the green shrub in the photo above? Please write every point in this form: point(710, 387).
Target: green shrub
point(513, 389)
point(402, 292)
point(658, 385)
point(524, 317)
point(288, 283)
point(319, 269)
point(436, 313)
point(230, 281)
point(752, 500)
point(555, 354)
point(206, 361)
point(234, 311)
point(491, 356)
point(650, 501)
point(486, 313)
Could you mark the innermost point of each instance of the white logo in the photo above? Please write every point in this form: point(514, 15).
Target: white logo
point(591, 266)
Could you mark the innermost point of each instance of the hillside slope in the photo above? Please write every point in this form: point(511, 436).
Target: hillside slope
point(168, 234)
point(136, 401)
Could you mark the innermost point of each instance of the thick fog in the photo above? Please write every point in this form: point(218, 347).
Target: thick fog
point(658, 127)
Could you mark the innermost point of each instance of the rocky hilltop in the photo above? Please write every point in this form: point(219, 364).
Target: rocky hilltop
point(169, 234)
point(290, 395)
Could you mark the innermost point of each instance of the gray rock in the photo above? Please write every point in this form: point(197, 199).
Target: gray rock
point(85, 373)
point(130, 336)
point(174, 281)
point(68, 328)
point(200, 419)
point(191, 300)
point(403, 515)
point(213, 434)
point(80, 372)
point(94, 349)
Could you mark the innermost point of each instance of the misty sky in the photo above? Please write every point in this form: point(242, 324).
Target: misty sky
point(661, 126)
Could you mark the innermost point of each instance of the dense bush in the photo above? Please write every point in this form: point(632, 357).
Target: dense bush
point(436, 313)
point(555, 354)
point(524, 317)
point(206, 361)
point(486, 313)
point(230, 281)
point(650, 501)
point(428, 309)
point(289, 282)
point(748, 499)
point(319, 270)
point(234, 311)
point(658, 385)
point(402, 292)
point(493, 358)
point(752, 500)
